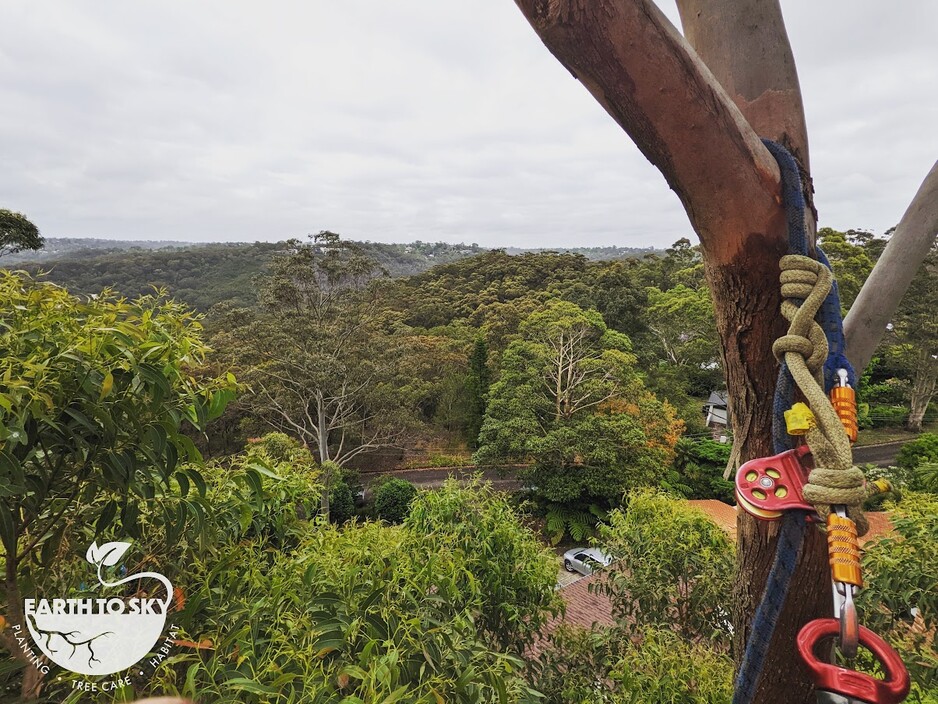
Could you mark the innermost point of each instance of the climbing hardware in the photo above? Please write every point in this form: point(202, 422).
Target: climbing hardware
point(811, 478)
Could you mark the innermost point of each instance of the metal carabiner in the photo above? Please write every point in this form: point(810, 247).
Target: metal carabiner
point(846, 579)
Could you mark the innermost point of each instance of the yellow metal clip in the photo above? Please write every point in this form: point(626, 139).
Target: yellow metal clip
point(799, 419)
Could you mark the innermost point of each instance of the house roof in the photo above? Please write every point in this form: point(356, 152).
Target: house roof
point(717, 415)
point(724, 515)
point(583, 608)
point(588, 609)
point(717, 398)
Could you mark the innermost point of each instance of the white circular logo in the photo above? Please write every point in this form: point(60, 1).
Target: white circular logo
point(103, 635)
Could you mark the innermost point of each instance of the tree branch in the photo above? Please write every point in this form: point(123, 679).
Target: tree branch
point(647, 77)
point(866, 322)
point(745, 45)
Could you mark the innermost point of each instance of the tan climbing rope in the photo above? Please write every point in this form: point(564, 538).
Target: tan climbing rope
point(835, 480)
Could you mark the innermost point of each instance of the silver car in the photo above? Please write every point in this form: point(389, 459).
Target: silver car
point(585, 560)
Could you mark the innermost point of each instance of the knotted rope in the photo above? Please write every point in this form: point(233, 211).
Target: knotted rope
point(805, 350)
point(805, 357)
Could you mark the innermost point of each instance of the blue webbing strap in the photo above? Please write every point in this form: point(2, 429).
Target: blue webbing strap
point(791, 536)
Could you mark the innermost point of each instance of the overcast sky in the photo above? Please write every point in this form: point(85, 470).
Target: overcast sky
point(396, 121)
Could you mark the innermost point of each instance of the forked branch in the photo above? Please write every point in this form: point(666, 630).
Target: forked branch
point(648, 78)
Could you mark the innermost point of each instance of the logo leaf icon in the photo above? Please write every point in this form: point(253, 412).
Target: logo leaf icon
point(93, 553)
point(111, 553)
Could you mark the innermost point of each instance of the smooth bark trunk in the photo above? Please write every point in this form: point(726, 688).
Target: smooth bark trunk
point(915, 234)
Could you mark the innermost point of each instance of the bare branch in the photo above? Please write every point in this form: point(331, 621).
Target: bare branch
point(866, 322)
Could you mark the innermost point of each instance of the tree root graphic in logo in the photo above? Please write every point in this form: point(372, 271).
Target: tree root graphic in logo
point(67, 637)
point(100, 636)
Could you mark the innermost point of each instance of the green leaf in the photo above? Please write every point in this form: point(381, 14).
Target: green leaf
point(7, 530)
point(106, 518)
point(197, 479)
point(396, 695)
point(243, 684)
point(106, 385)
point(264, 470)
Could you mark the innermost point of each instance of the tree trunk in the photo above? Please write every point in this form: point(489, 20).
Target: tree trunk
point(923, 390)
point(696, 109)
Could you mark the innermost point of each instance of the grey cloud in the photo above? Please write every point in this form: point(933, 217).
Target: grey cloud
point(405, 120)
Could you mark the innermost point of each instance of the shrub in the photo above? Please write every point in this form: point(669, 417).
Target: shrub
point(698, 471)
point(663, 668)
point(900, 572)
point(923, 449)
point(673, 567)
point(888, 416)
point(506, 575)
point(620, 666)
point(393, 499)
point(341, 502)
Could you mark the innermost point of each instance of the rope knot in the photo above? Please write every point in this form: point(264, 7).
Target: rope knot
point(805, 285)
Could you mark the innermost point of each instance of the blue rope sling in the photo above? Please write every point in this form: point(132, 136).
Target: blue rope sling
point(791, 535)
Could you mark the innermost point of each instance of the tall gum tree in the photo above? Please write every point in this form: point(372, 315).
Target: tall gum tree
point(696, 105)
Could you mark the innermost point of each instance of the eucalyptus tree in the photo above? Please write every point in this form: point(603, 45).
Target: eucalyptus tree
point(322, 357)
point(697, 105)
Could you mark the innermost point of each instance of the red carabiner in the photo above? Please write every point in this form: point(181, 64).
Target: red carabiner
point(850, 683)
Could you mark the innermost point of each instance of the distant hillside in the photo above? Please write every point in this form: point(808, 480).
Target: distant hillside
point(205, 274)
point(592, 253)
point(83, 247)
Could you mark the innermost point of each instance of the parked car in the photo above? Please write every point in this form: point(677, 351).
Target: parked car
point(585, 560)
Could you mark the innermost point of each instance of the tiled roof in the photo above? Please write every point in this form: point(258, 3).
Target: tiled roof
point(587, 609)
point(584, 609)
point(724, 516)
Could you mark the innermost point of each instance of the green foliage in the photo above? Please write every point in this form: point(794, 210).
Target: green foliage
point(569, 400)
point(887, 416)
point(682, 321)
point(93, 398)
point(667, 669)
point(850, 261)
point(900, 574)
point(578, 520)
point(505, 574)
point(321, 361)
point(393, 499)
point(673, 567)
point(365, 612)
point(622, 666)
point(439, 460)
point(17, 233)
point(341, 502)
point(699, 467)
point(348, 615)
point(477, 388)
point(202, 275)
point(926, 475)
point(921, 450)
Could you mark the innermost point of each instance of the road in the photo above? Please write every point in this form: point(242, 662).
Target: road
point(880, 455)
point(504, 479)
